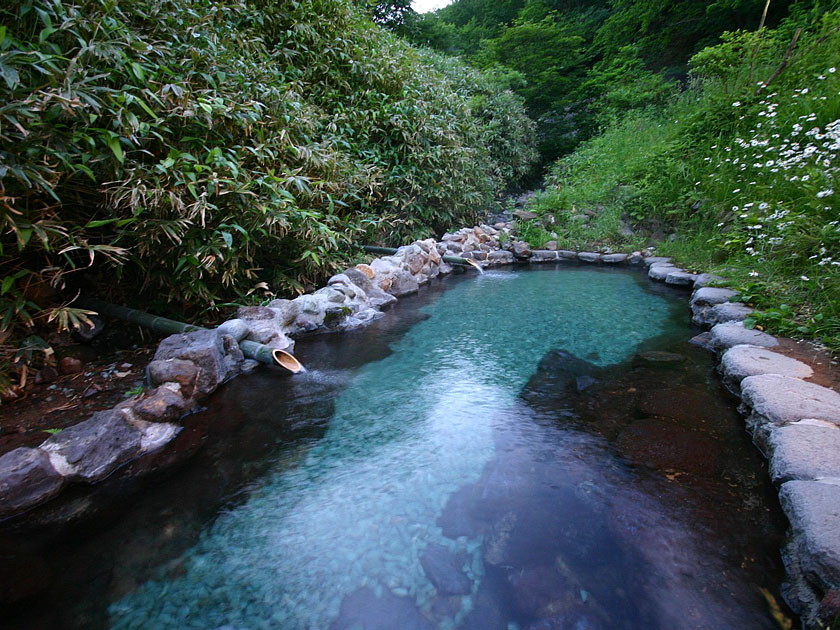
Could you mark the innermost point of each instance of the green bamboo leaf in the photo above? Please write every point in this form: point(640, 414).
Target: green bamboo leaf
point(114, 144)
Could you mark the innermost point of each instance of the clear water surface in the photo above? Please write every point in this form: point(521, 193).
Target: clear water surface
point(526, 450)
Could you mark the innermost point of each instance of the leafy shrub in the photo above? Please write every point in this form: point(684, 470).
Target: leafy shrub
point(202, 152)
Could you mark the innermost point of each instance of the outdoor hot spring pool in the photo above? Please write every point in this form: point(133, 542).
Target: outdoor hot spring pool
point(536, 449)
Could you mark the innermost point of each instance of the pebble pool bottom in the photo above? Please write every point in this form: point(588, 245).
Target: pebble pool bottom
point(337, 540)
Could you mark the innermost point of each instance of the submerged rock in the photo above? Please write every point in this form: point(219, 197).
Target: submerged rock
point(363, 610)
point(443, 569)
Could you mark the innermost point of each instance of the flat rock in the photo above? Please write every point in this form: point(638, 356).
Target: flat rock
point(543, 255)
point(501, 257)
point(589, 257)
point(27, 478)
point(806, 450)
point(729, 312)
point(651, 261)
point(813, 509)
point(93, 449)
point(443, 569)
point(724, 336)
point(636, 258)
point(614, 259)
point(704, 279)
point(739, 362)
point(567, 254)
point(660, 272)
point(710, 296)
point(778, 400)
point(680, 278)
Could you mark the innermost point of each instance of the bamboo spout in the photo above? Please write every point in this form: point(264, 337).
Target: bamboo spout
point(251, 349)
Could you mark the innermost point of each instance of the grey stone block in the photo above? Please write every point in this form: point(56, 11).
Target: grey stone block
point(27, 478)
point(813, 509)
point(806, 450)
point(614, 259)
point(739, 362)
point(724, 336)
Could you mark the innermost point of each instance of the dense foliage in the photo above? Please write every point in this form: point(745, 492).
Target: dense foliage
point(583, 63)
point(203, 152)
point(741, 171)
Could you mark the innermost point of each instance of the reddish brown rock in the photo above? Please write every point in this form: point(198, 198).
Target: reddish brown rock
point(161, 405)
point(178, 371)
point(70, 365)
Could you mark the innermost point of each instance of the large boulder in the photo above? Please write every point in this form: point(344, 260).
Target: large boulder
point(216, 356)
point(93, 449)
point(27, 478)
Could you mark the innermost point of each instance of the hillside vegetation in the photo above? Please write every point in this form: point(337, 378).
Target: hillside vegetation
point(191, 153)
point(708, 129)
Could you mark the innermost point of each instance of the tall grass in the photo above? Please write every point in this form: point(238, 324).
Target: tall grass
point(743, 168)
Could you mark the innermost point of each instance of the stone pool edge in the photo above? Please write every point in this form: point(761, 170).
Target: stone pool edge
point(795, 424)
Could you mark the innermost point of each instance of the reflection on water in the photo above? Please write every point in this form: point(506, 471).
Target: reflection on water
point(470, 474)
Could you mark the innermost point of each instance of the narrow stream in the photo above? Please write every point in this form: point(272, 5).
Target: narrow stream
point(517, 450)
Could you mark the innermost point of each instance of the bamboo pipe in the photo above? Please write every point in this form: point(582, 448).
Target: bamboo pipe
point(251, 349)
point(452, 260)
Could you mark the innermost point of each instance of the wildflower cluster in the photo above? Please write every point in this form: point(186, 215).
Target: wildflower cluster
point(778, 182)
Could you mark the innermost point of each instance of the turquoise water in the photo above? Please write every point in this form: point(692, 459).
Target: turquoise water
point(501, 452)
point(406, 433)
